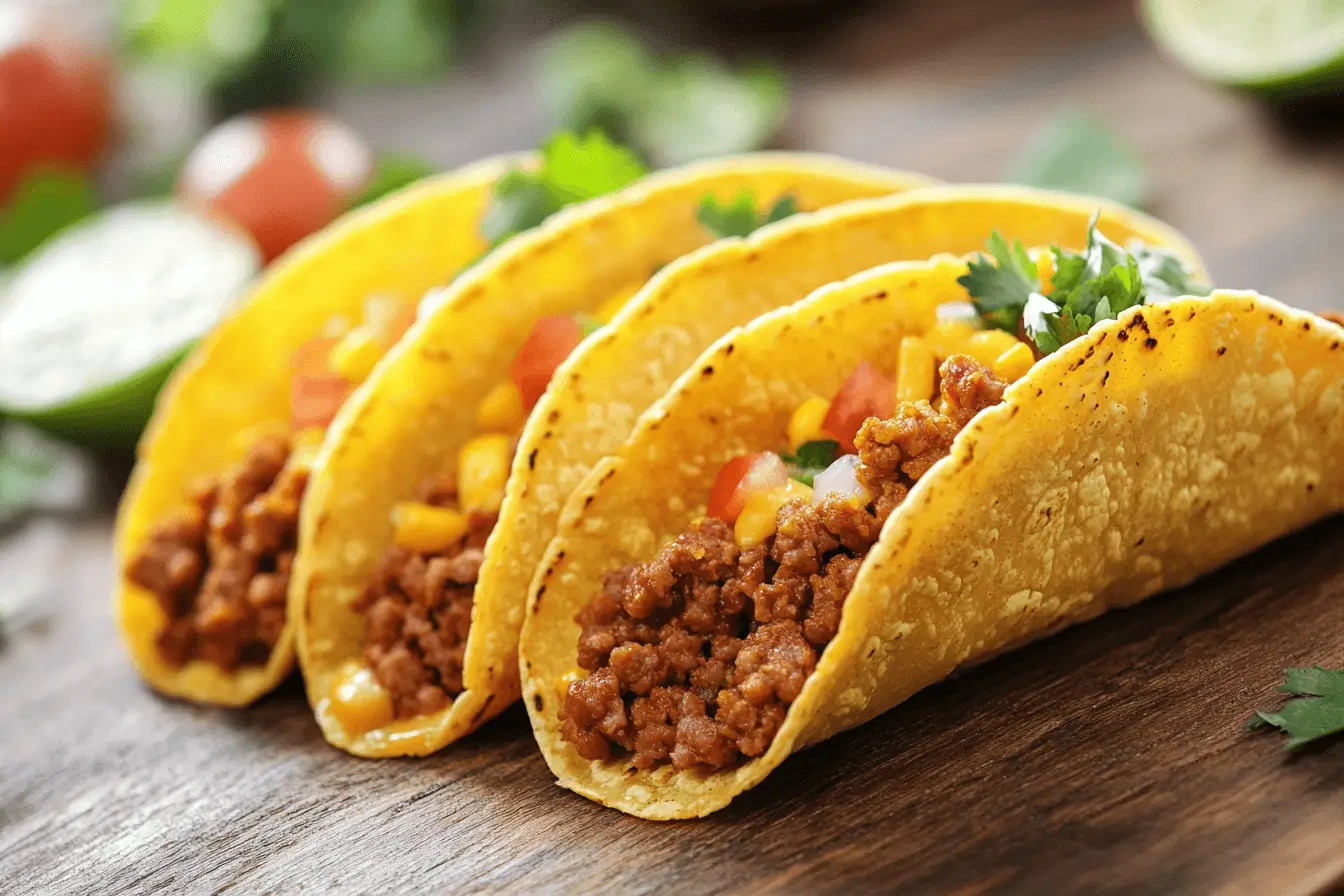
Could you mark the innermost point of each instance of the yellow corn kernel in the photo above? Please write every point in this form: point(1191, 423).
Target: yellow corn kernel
point(304, 446)
point(947, 337)
point(914, 378)
point(482, 473)
point(355, 355)
point(564, 681)
point(1013, 364)
point(502, 409)
point(805, 424)
point(358, 702)
point(1045, 269)
point(987, 345)
point(616, 301)
point(760, 514)
point(424, 528)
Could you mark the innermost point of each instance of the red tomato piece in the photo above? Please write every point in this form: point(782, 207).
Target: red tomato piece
point(740, 478)
point(55, 100)
point(547, 347)
point(279, 175)
point(316, 392)
point(867, 393)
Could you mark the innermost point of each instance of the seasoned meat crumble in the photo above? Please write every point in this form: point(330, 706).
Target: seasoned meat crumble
point(695, 655)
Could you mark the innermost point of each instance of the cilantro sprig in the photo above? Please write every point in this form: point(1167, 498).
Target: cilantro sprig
point(739, 217)
point(1314, 711)
point(573, 169)
point(1087, 287)
point(812, 458)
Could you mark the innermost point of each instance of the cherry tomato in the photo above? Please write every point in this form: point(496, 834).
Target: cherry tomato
point(55, 99)
point(867, 393)
point(316, 392)
point(740, 478)
point(546, 348)
point(280, 175)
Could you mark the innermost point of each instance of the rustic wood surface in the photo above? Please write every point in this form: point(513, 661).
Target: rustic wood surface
point(1109, 759)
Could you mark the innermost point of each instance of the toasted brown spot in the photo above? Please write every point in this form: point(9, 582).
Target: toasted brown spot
point(537, 703)
point(1040, 392)
point(708, 370)
point(1123, 335)
point(1139, 543)
point(1222, 350)
point(481, 712)
point(1150, 342)
point(610, 473)
point(536, 604)
point(1105, 375)
point(728, 349)
point(1170, 321)
point(1306, 326)
point(588, 501)
point(532, 459)
point(1311, 486)
point(547, 434)
point(552, 416)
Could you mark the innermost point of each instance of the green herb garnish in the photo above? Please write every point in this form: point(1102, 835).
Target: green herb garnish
point(1074, 152)
point(1094, 285)
point(812, 458)
point(573, 169)
point(45, 202)
point(1314, 711)
point(588, 325)
point(391, 173)
point(738, 217)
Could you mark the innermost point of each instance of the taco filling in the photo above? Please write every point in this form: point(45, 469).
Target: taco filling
point(694, 657)
point(219, 569)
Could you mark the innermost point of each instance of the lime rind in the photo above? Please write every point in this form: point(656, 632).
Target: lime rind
point(1265, 45)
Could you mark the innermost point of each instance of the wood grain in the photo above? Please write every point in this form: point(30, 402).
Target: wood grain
point(1109, 759)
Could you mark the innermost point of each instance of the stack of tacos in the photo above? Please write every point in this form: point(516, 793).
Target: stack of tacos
point(703, 502)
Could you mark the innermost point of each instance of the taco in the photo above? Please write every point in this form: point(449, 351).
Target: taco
point(851, 498)
point(405, 647)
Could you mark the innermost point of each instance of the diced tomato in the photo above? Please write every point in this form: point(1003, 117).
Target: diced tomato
point(314, 399)
point(55, 98)
point(740, 478)
point(867, 393)
point(546, 348)
point(316, 392)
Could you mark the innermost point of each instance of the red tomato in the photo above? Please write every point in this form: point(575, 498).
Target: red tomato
point(279, 175)
point(867, 393)
point(316, 392)
point(546, 348)
point(55, 99)
point(739, 478)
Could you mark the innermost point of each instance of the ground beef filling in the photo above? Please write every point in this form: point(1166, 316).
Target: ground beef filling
point(418, 613)
point(220, 570)
point(695, 656)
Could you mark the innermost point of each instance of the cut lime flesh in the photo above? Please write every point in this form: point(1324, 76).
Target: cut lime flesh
point(1268, 45)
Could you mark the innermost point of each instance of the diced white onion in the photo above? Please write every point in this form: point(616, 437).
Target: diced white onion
point(840, 478)
point(963, 311)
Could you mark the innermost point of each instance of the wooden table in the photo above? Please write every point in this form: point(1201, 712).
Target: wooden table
point(1111, 758)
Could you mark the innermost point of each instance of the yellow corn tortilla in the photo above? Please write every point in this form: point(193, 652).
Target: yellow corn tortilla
point(417, 410)
point(236, 381)
point(1149, 452)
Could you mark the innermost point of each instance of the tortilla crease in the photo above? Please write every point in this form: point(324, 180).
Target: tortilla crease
point(419, 408)
point(1146, 454)
point(235, 385)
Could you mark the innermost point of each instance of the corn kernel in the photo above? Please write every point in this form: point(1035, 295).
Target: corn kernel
point(1013, 364)
point(482, 473)
point(760, 514)
point(1045, 269)
point(616, 301)
point(948, 337)
point(358, 702)
point(304, 446)
point(805, 424)
point(424, 528)
point(987, 345)
point(564, 681)
point(914, 378)
point(502, 409)
point(356, 354)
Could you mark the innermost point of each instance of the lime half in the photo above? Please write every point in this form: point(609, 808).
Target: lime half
point(91, 325)
point(1265, 45)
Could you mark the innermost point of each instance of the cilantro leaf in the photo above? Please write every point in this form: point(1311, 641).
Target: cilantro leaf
point(1076, 153)
point(1000, 292)
point(1315, 711)
point(738, 217)
point(573, 169)
point(1164, 276)
point(391, 173)
point(588, 325)
point(811, 459)
point(24, 469)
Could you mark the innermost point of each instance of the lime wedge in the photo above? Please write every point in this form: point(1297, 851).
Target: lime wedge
point(1265, 45)
point(93, 322)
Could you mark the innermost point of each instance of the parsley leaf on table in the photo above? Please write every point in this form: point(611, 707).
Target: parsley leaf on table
point(1076, 153)
point(573, 169)
point(812, 458)
point(738, 217)
point(1314, 711)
